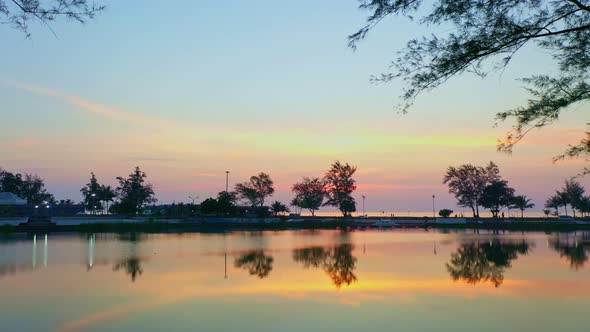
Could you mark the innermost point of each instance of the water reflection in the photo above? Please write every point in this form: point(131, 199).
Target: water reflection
point(574, 247)
point(338, 262)
point(256, 262)
point(481, 262)
point(131, 266)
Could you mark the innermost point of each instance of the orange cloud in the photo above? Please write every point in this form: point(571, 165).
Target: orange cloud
point(383, 186)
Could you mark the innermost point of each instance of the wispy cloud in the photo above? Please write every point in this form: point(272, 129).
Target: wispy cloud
point(18, 144)
point(90, 106)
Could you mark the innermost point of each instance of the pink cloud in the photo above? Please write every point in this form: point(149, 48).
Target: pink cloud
point(19, 144)
point(384, 187)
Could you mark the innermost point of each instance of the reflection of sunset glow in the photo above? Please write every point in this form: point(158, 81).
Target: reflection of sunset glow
point(135, 275)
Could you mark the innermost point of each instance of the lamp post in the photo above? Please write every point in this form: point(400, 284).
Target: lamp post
point(193, 199)
point(433, 213)
point(364, 204)
point(92, 204)
point(226, 181)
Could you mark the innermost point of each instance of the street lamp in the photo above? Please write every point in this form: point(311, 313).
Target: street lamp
point(226, 181)
point(364, 205)
point(92, 204)
point(433, 213)
point(193, 203)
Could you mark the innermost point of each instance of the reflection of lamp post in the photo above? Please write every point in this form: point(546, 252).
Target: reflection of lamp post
point(226, 181)
point(45, 252)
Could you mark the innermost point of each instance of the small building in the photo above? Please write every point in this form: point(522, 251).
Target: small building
point(7, 198)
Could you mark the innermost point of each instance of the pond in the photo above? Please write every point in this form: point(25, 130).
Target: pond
point(403, 280)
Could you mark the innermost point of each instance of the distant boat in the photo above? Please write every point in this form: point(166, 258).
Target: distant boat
point(386, 223)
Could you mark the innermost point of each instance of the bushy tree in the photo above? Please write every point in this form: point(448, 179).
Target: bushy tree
point(339, 187)
point(226, 203)
point(91, 194)
point(30, 187)
point(256, 190)
point(134, 193)
point(209, 206)
point(309, 194)
point(496, 196)
point(467, 183)
point(482, 37)
point(445, 213)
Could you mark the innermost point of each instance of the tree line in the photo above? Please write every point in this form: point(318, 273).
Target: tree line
point(483, 186)
point(335, 189)
point(474, 187)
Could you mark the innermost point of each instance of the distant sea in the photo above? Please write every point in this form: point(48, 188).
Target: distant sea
point(507, 214)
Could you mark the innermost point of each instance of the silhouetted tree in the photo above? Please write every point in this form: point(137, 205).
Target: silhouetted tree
point(34, 191)
point(467, 183)
point(91, 194)
point(134, 193)
point(553, 202)
point(522, 203)
point(18, 13)
point(256, 190)
point(226, 203)
point(309, 194)
point(256, 262)
point(278, 208)
point(445, 213)
point(338, 262)
point(482, 36)
point(209, 206)
point(339, 187)
point(107, 195)
point(30, 187)
point(474, 262)
point(573, 193)
point(496, 196)
point(12, 183)
point(66, 202)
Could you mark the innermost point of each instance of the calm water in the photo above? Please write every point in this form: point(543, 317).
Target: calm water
point(296, 281)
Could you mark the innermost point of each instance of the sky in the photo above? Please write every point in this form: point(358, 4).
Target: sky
point(189, 90)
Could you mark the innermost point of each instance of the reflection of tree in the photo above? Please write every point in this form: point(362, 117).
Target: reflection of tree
point(131, 266)
point(132, 263)
point(256, 262)
point(337, 262)
point(576, 249)
point(476, 262)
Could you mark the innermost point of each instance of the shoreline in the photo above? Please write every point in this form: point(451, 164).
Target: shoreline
point(115, 225)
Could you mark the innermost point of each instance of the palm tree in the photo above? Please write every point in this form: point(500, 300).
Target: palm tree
point(522, 203)
point(107, 194)
point(553, 202)
point(563, 199)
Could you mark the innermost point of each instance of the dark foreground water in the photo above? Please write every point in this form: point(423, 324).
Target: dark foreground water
point(296, 281)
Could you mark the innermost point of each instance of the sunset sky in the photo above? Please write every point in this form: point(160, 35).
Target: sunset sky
point(189, 90)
